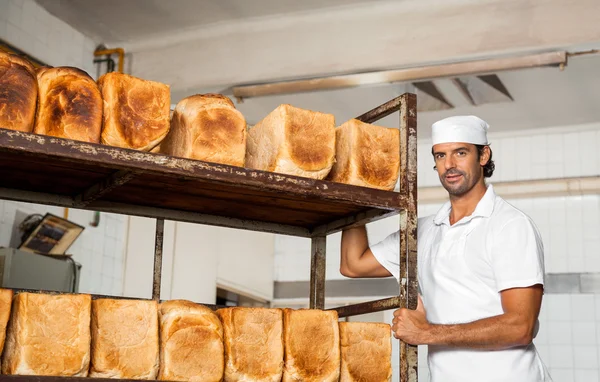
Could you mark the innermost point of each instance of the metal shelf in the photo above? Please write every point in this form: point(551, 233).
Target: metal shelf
point(61, 172)
point(68, 173)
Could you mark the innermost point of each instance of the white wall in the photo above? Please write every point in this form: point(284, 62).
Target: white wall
point(197, 259)
point(30, 28)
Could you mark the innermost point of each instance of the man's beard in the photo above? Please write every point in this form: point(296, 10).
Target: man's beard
point(459, 188)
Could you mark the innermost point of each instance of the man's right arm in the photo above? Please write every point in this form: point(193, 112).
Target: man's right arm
point(357, 259)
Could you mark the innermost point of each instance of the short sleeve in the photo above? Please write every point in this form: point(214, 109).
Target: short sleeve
point(518, 255)
point(387, 253)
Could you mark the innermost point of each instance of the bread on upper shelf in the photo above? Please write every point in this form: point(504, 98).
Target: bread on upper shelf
point(366, 352)
point(366, 155)
point(69, 106)
point(18, 93)
point(136, 111)
point(253, 344)
point(293, 141)
point(209, 128)
point(124, 339)
point(191, 342)
point(312, 345)
point(48, 335)
point(6, 296)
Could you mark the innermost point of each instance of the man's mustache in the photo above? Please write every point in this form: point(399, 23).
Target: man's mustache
point(453, 171)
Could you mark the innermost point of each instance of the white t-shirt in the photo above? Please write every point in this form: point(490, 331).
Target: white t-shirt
point(461, 270)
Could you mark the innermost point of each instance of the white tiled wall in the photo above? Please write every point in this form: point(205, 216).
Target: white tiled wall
point(100, 250)
point(29, 27)
point(569, 336)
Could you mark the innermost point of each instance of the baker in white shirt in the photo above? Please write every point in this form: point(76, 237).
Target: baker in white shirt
point(480, 269)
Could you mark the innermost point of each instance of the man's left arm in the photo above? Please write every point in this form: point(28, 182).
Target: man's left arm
point(515, 327)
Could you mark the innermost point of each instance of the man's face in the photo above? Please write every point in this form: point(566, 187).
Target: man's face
point(458, 166)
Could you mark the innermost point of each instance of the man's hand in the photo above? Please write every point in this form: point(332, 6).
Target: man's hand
point(411, 326)
point(513, 328)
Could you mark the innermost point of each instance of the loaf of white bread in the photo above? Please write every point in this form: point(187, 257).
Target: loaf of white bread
point(253, 344)
point(293, 141)
point(19, 92)
point(312, 345)
point(191, 342)
point(209, 128)
point(5, 306)
point(124, 339)
point(366, 155)
point(48, 335)
point(69, 105)
point(366, 352)
point(136, 111)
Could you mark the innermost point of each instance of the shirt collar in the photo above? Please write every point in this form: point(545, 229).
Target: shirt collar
point(484, 208)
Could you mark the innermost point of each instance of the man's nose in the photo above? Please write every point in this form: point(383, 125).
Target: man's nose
point(449, 162)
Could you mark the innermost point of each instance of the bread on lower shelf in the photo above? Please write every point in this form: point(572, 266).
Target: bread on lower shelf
point(136, 111)
point(18, 93)
point(253, 344)
point(209, 128)
point(366, 352)
point(6, 296)
point(191, 342)
point(366, 155)
point(70, 105)
point(293, 141)
point(124, 339)
point(48, 335)
point(312, 345)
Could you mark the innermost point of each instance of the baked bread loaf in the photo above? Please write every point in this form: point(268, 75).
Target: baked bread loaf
point(366, 155)
point(312, 345)
point(124, 339)
point(293, 141)
point(136, 111)
point(366, 352)
point(191, 342)
point(18, 93)
point(253, 344)
point(69, 105)
point(209, 128)
point(48, 335)
point(5, 304)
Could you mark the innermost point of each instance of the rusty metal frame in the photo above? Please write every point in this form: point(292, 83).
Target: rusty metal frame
point(158, 255)
point(406, 104)
point(405, 204)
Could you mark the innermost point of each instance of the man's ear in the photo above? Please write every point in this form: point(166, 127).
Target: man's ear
point(484, 158)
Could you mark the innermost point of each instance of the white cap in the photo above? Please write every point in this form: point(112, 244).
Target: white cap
point(467, 129)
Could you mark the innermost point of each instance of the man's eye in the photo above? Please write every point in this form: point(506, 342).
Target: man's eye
point(462, 153)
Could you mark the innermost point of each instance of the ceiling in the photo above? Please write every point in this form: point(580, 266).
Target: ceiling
point(543, 97)
point(540, 97)
point(129, 20)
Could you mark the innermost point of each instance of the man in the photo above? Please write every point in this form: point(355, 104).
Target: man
point(480, 269)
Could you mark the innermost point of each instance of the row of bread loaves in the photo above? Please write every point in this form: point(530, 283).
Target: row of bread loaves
point(289, 140)
point(71, 335)
point(65, 102)
point(128, 112)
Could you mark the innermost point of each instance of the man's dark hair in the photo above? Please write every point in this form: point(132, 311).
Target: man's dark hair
point(489, 167)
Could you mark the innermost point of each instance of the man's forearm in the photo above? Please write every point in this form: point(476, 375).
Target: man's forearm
point(493, 333)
